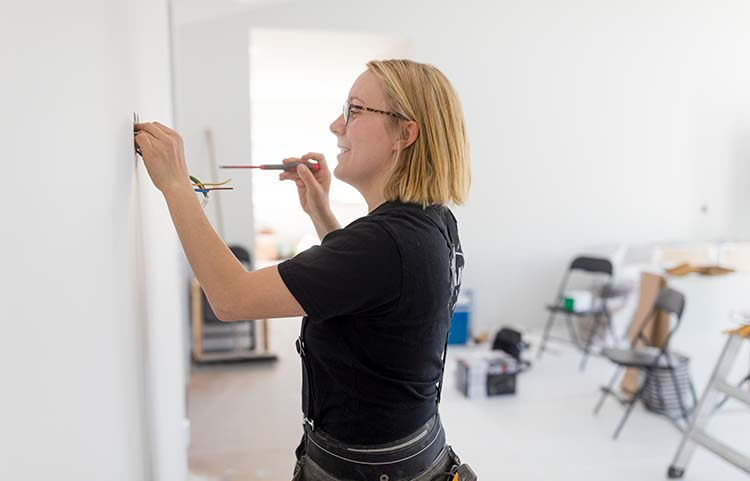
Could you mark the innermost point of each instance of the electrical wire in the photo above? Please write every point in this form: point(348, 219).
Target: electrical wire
point(202, 187)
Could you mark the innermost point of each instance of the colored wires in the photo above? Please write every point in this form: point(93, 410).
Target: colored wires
point(206, 187)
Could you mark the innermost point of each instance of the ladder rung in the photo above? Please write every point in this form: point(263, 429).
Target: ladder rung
point(733, 391)
point(721, 449)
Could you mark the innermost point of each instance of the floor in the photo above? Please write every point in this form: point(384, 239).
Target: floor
point(246, 419)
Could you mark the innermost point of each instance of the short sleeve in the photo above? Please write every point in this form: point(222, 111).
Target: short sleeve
point(355, 271)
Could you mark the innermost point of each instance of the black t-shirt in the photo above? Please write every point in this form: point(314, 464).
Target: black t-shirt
point(377, 294)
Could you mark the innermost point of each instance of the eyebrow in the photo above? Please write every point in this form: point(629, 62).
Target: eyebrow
point(357, 98)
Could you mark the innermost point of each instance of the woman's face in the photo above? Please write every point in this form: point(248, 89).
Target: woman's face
point(367, 142)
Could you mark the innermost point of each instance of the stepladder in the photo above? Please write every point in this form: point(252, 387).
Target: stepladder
point(718, 387)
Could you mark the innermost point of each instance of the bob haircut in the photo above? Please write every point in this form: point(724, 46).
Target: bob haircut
point(435, 168)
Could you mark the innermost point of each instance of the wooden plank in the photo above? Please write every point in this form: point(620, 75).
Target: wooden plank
point(236, 356)
point(656, 332)
point(197, 318)
point(266, 346)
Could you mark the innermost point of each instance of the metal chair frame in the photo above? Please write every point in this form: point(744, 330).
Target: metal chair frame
point(593, 265)
point(673, 303)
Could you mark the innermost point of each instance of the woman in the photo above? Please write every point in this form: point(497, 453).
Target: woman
point(377, 295)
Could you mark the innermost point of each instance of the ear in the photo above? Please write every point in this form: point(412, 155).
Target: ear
point(409, 131)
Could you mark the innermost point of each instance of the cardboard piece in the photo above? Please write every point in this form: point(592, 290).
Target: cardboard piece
point(685, 269)
point(657, 330)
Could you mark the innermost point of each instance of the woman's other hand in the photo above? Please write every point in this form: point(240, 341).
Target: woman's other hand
point(163, 154)
point(312, 187)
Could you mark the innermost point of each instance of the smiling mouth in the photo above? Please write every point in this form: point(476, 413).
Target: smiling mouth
point(344, 150)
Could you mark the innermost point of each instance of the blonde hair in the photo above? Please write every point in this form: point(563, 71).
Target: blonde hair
point(435, 168)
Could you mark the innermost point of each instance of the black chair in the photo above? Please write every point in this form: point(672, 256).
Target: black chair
point(600, 312)
point(649, 359)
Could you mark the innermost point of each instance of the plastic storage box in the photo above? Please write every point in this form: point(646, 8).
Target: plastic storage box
point(480, 374)
point(461, 321)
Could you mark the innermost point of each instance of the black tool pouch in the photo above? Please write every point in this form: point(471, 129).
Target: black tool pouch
point(464, 471)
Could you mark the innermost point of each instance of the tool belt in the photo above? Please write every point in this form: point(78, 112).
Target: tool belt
point(399, 460)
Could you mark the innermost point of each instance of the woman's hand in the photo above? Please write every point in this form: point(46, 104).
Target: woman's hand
point(312, 187)
point(163, 154)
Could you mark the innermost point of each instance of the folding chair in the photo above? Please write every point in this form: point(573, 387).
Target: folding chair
point(648, 359)
point(599, 313)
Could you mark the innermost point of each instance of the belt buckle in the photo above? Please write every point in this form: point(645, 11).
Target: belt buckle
point(310, 423)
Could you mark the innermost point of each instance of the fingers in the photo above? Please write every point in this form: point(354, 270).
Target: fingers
point(152, 129)
point(289, 175)
point(320, 158)
point(294, 174)
point(165, 129)
point(308, 178)
point(143, 141)
point(168, 131)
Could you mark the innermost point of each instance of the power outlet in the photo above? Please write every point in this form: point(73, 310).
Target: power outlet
point(135, 121)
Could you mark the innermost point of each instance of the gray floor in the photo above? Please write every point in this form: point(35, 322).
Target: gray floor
point(246, 424)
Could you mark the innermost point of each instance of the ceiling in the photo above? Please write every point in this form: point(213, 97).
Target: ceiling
point(191, 11)
point(302, 64)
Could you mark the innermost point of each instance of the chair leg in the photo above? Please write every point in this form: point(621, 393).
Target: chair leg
point(545, 336)
point(631, 405)
point(572, 331)
point(607, 390)
point(611, 328)
point(589, 342)
point(693, 394)
point(680, 401)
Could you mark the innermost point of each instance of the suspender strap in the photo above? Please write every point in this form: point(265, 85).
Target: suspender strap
point(308, 405)
point(442, 370)
point(456, 265)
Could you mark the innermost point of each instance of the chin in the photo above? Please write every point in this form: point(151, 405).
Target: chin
point(337, 173)
point(342, 173)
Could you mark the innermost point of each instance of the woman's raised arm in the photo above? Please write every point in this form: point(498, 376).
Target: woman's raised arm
point(233, 292)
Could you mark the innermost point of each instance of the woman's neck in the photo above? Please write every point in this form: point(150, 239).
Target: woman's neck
point(374, 202)
point(373, 195)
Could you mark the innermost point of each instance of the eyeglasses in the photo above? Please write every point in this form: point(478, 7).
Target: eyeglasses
point(361, 108)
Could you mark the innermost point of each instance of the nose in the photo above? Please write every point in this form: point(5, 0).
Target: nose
point(338, 127)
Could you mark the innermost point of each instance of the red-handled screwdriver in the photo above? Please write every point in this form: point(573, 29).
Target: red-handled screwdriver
point(286, 167)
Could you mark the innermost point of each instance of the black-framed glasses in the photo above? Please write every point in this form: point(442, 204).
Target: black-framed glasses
point(361, 108)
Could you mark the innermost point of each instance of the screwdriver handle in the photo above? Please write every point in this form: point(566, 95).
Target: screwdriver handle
point(291, 166)
point(285, 167)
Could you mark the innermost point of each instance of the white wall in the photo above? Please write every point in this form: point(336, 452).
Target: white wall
point(592, 123)
point(92, 301)
point(213, 89)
